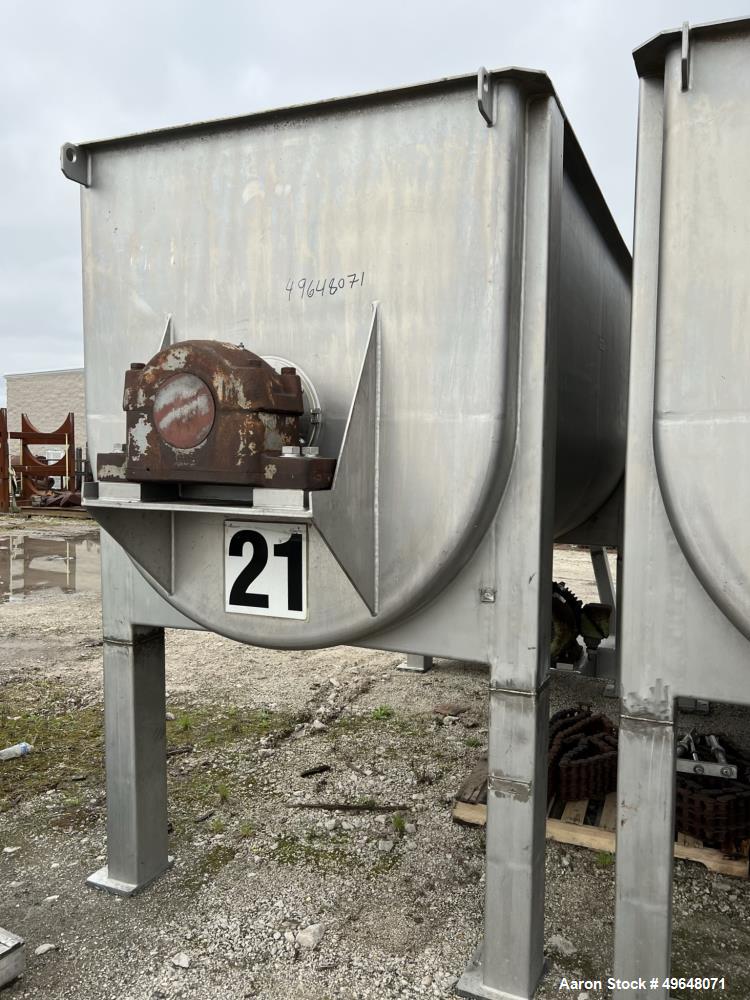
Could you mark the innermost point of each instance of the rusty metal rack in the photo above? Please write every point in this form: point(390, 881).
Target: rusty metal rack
point(31, 470)
point(4, 463)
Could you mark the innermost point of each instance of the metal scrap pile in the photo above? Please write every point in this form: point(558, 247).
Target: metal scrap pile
point(582, 760)
point(582, 764)
point(713, 807)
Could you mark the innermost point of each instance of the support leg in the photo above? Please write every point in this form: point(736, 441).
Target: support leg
point(518, 622)
point(135, 740)
point(415, 664)
point(604, 582)
point(605, 659)
point(510, 962)
point(645, 846)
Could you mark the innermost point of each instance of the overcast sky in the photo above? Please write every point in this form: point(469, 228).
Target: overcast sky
point(85, 70)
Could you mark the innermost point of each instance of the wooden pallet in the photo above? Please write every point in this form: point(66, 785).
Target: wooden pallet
point(588, 823)
point(72, 512)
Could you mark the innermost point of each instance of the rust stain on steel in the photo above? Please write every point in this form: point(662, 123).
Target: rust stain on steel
point(205, 411)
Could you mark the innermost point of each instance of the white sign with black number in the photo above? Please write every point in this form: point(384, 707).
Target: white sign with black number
point(265, 569)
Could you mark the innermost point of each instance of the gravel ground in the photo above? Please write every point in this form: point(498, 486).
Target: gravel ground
point(266, 899)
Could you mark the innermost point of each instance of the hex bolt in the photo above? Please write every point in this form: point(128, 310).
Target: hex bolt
point(726, 772)
point(137, 366)
point(487, 595)
point(290, 451)
point(311, 451)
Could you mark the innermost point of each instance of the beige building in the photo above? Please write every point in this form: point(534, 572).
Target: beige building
point(47, 398)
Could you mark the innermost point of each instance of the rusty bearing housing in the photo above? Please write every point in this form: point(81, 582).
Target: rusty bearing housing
point(203, 411)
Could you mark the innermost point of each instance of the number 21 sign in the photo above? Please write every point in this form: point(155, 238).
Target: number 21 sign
point(265, 569)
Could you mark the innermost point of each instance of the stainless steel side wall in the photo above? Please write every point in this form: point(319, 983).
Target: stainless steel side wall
point(684, 618)
point(593, 353)
point(218, 225)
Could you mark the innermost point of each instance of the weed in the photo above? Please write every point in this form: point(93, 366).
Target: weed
point(365, 803)
point(246, 831)
point(473, 741)
point(184, 723)
point(399, 824)
point(222, 790)
point(604, 859)
point(382, 712)
point(217, 825)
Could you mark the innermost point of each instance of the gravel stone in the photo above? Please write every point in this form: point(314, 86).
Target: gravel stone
point(311, 936)
point(561, 945)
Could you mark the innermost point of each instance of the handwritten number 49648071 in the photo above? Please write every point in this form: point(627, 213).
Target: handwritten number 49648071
point(310, 287)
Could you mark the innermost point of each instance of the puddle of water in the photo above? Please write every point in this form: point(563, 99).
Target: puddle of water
point(33, 563)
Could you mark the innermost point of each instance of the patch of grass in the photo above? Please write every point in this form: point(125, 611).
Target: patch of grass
point(222, 790)
point(473, 741)
point(246, 831)
point(386, 863)
point(382, 712)
point(217, 825)
point(210, 863)
point(604, 859)
point(290, 850)
point(209, 726)
point(68, 742)
point(399, 824)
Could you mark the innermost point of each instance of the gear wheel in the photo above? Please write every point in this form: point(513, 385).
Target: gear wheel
point(566, 624)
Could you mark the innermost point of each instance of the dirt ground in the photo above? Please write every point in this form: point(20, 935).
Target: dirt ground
point(398, 894)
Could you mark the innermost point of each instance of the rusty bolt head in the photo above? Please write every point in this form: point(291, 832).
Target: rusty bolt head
point(137, 366)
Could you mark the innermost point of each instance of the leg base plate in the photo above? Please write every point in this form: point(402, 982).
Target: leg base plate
point(101, 880)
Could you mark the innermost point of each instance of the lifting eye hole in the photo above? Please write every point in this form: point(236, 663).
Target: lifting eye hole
point(184, 411)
